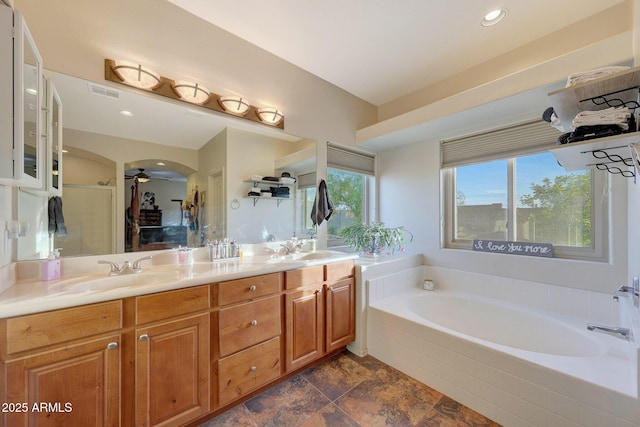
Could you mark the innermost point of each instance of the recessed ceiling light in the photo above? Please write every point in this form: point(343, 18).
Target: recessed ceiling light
point(494, 17)
point(126, 113)
point(160, 164)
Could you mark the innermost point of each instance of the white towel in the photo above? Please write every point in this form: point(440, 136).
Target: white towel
point(610, 116)
point(585, 76)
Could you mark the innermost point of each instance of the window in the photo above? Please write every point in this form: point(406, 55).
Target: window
point(347, 192)
point(544, 202)
point(350, 183)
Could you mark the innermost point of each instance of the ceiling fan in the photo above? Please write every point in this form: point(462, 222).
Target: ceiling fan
point(140, 176)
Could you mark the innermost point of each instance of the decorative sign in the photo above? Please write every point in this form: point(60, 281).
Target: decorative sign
point(514, 248)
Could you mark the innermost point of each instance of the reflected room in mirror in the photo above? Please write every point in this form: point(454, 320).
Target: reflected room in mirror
point(201, 167)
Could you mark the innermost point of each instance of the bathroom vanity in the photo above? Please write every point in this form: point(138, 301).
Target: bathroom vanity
point(182, 344)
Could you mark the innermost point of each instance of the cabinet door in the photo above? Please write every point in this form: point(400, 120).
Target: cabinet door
point(340, 314)
point(172, 372)
point(28, 132)
point(304, 326)
point(78, 385)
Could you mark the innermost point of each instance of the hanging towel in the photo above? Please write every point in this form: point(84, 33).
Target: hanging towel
point(56, 218)
point(322, 205)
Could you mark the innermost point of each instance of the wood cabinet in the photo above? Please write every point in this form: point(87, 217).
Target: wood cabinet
point(63, 367)
point(172, 357)
point(319, 310)
point(249, 335)
point(341, 321)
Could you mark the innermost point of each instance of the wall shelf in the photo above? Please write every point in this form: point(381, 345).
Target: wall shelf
point(570, 101)
point(261, 183)
point(610, 153)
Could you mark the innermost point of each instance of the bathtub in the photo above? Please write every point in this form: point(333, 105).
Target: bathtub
point(516, 364)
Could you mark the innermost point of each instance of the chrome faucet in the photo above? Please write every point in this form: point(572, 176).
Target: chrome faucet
point(127, 267)
point(292, 246)
point(633, 291)
point(615, 331)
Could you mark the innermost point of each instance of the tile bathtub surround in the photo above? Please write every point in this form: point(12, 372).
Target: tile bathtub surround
point(510, 390)
point(348, 390)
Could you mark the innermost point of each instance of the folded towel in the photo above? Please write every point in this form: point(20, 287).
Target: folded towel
point(271, 178)
point(610, 116)
point(255, 178)
point(585, 76)
point(287, 180)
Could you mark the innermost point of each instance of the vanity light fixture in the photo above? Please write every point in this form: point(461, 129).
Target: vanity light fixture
point(135, 75)
point(235, 104)
point(141, 176)
point(191, 92)
point(270, 115)
point(493, 17)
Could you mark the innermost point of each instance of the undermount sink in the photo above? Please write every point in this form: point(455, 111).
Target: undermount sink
point(105, 283)
point(304, 256)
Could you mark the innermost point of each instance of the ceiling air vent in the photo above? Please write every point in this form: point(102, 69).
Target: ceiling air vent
point(103, 91)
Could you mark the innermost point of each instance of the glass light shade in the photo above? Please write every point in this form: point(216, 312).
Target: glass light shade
point(142, 177)
point(235, 105)
point(136, 75)
point(270, 115)
point(191, 92)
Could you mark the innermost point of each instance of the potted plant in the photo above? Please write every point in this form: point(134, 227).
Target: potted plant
point(373, 239)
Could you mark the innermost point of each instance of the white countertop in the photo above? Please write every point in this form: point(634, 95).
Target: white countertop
point(80, 288)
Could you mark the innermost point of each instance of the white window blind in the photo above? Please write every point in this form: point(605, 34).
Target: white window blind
point(307, 180)
point(339, 157)
point(518, 140)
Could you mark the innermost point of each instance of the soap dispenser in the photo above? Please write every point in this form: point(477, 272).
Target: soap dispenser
point(51, 267)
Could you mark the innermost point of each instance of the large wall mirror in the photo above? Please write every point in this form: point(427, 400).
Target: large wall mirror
point(189, 172)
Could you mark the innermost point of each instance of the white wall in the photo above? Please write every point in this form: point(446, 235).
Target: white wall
point(409, 181)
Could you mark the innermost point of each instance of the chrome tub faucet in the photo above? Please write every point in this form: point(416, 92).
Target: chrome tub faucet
point(615, 331)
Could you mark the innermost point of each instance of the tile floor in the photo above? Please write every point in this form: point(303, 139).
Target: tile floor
point(347, 390)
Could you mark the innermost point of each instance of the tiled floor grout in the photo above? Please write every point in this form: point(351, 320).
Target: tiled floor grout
point(367, 393)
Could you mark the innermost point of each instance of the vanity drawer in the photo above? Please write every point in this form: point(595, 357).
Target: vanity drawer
point(247, 289)
point(303, 277)
point(248, 370)
point(54, 327)
point(338, 271)
point(164, 305)
point(247, 324)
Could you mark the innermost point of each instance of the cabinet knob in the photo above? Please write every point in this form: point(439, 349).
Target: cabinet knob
point(253, 288)
point(254, 322)
point(254, 368)
point(143, 337)
point(112, 345)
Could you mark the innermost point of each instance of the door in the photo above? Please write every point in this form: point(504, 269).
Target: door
point(78, 385)
point(304, 326)
point(340, 314)
point(172, 372)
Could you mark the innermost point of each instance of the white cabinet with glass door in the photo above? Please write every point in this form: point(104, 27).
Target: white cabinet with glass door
point(21, 135)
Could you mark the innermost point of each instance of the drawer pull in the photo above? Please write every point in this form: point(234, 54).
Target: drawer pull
point(254, 323)
point(254, 369)
point(143, 337)
point(112, 345)
point(253, 288)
